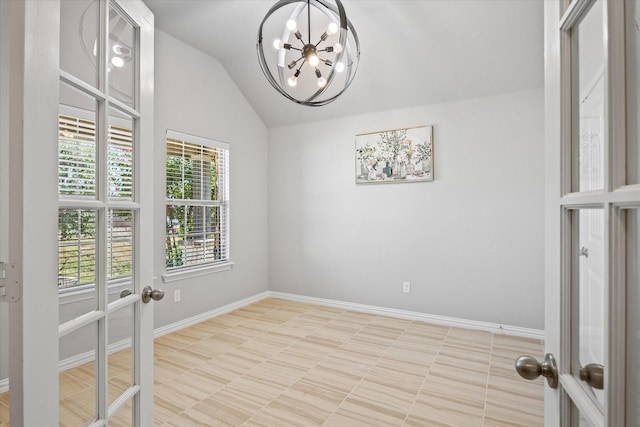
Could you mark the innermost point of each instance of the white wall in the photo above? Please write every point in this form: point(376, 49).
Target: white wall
point(470, 243)
point(195, 95)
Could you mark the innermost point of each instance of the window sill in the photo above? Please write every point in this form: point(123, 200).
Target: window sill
point(195, 272)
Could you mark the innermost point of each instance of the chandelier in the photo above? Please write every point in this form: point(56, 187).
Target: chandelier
point(311, 54)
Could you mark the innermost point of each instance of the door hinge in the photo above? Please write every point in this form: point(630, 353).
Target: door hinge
point(10, 286)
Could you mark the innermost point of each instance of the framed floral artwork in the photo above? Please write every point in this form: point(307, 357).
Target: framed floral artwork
point(394, 156)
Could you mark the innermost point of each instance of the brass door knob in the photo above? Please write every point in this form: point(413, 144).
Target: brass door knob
point(530, 369)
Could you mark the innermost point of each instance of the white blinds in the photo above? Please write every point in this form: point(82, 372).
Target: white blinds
point(77, 158)
point(197, 210)
point(120, 169)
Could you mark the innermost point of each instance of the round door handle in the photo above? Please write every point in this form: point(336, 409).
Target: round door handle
point(149, 294)
point(593, 374)
point(530, 369)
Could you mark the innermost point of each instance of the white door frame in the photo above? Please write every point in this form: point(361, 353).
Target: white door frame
point(4, 181)
point(33, 338)
point(553, 398)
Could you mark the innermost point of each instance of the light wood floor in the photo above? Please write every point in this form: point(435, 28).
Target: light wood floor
point(279, 363)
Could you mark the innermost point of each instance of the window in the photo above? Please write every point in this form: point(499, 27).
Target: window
point(197, 208)
point(77, 178)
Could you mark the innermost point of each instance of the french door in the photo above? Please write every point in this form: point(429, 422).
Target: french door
point(79, 218)
point(592, 320)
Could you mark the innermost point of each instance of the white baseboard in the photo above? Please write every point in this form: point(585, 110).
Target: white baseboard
point(413, 315)
point(81, 359)
point(384, 311)
point(167, 329)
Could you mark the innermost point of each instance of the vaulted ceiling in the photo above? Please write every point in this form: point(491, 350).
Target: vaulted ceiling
point(413, 52)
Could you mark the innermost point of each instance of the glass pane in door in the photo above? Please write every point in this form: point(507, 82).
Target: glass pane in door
point(578, 419)
point(120, 248)
point(120, 353)
point(632, 30)
point(77, 267)
point(124, 417)
point(122, 57)
point(591, 291)
point(79, 21)
point(120, 167)
point(4, 408)
point(633, 316)
point(76, 144)
point(589, 96)
point(77, 383)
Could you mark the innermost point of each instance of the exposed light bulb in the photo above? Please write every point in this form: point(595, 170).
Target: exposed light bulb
point(277, 44)
point(117, 62)
point(333, 28)
point(293, 80)
point(291, 25)
point(337, 48)
point(322, 82)
point(314, 60)
point(340, 67)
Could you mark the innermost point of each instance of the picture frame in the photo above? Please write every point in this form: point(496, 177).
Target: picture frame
point(394, 156)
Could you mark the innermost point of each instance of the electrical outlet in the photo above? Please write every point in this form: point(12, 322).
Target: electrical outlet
point(406, 287)
point(176, 295)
